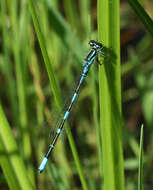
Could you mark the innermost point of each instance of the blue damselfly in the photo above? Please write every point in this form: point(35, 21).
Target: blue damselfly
point(88, 61)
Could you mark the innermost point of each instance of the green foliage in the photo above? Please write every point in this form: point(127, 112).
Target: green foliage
point(142, 14)
point(110, 96)
point(42, 46)
point(11, 162)
point(140, 178)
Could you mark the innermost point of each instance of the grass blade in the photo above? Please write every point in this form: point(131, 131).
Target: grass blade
point(140, 174)
point(12, 165)
point(142, 14)
point(45, 54)
point(110, 95)
point(95, 116)
point(56, 91)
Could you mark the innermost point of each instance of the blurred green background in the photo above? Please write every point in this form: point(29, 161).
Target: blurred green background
point(27, 100)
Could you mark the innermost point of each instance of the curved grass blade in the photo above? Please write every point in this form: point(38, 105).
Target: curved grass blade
point(10, 160)
point(55, 90)
point(142, 14)
point(45, 54)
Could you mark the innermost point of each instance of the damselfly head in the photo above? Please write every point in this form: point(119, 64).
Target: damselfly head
point(95, 44)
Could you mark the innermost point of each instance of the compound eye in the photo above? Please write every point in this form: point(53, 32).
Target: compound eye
point(91, 43)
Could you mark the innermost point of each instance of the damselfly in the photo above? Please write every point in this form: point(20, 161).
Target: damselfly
point(88, 61)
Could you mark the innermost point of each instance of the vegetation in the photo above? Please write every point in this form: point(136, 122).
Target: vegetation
point(42, 46)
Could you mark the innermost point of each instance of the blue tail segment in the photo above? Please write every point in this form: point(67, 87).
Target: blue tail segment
point(74, 97)
point(66, 115)
point(42, 165)
point(88, 61)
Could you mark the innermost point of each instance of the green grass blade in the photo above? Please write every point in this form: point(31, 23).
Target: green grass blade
point(142, 14)
point(140, 174)
point(110, 95)
point(96, 122)
point(56, 91)
point(12, 165)
point(45, 54)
